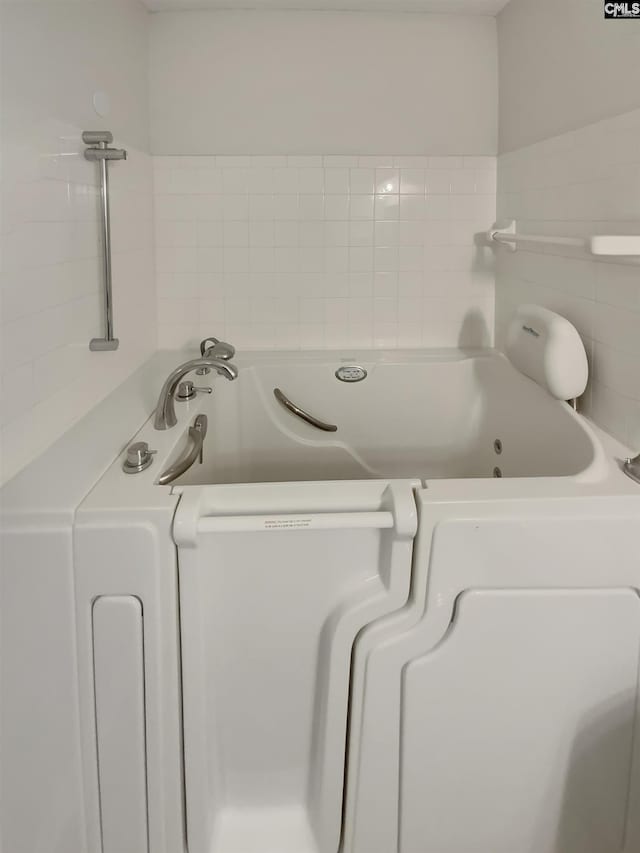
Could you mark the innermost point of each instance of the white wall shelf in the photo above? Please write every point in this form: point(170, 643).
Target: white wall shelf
point(599, 244)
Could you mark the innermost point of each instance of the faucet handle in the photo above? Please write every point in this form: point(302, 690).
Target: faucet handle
point(138, 457)
point(187, 390)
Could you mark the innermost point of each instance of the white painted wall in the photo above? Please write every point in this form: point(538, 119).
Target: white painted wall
point(54, 55)
point(447, 7)
point(322, 83)
point(563, 66)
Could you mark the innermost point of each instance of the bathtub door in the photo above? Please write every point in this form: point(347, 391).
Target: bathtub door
point(500, 713)
point(276, 581)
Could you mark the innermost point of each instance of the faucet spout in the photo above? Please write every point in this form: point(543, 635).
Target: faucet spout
point(165, 417)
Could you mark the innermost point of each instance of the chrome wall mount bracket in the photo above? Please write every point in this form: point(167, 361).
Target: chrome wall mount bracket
point(99, 152)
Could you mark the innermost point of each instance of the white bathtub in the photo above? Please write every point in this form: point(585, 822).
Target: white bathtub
point(318, 571)
point(418, 415)
point(361, 641)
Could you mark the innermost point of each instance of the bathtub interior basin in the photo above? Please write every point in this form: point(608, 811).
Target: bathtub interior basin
point(426, 416)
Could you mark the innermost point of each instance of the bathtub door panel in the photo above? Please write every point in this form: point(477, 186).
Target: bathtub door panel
point(270, 607)
point(120, 726)
point(517, 729)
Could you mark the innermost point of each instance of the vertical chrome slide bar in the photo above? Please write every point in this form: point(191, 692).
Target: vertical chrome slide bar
point(106, 236)
point(100, 152)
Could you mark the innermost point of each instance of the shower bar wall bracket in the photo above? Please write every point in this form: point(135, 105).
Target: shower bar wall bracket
point(99, 152)
point(626, 245)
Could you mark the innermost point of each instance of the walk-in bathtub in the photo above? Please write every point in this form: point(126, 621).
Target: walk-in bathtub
point(418, 632)
point(373, 618)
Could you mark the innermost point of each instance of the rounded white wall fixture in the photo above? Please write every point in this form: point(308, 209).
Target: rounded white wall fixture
point(101, 104)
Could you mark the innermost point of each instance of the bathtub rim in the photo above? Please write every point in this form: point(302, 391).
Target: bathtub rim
point(596, 470)
point(605, 478)
point(85, 463)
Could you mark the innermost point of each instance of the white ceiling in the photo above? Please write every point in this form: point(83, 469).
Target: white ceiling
point(461, 7)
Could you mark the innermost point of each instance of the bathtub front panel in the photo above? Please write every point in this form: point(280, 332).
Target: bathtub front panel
point(517, 729)
point(128, 676)
point(499, 710)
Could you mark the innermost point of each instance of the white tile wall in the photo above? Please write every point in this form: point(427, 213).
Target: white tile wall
point(581, 183)
point(51, 287)
point(53, 58)
point(333, 251)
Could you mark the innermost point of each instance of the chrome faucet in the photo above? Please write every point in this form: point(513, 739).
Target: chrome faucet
point(165, 411)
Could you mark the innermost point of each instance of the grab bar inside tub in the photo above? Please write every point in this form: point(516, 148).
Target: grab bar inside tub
point(197, 433)
point(300, 413)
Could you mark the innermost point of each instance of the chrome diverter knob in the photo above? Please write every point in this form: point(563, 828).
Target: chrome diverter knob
point(138, 458)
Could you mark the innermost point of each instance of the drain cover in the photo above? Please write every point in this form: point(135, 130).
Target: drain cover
point(351, 373)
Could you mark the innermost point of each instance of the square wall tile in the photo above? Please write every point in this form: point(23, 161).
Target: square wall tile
point(318, 251)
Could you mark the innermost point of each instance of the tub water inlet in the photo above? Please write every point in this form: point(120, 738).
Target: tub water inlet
point(351, 373)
